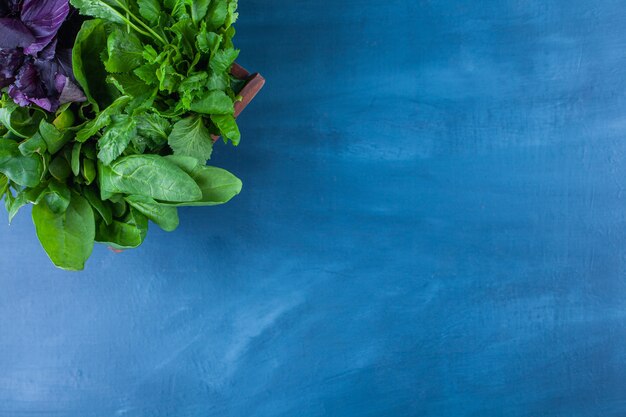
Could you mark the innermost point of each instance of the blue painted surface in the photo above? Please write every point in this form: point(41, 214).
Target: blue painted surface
point(432, 225)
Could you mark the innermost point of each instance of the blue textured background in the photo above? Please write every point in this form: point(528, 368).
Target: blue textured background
point(432, 224)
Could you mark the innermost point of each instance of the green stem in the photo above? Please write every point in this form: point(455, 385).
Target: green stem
point(141, 22)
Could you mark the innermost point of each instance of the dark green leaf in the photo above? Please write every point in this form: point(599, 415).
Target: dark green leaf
point(60, 168)
point(116, 138)
point(35, 144)
point(165, 217)
point(124, 51)
point(218, 185)
point(88, 68)
point(126, 233)
point(67, 237)
point(101, 207)
point(149, 10)
point(54, 138)
point(22, 170)
point(148, 175)
point(102, 119)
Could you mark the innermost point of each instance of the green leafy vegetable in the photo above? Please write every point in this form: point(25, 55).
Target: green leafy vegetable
point(67, 237)
point(156, 76)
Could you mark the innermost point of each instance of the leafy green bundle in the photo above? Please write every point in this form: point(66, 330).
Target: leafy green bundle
point(156, 77)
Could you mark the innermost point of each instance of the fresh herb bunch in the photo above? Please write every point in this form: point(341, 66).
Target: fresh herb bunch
point(114, 130)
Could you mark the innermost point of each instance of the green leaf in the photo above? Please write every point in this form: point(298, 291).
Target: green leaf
point(208, 42)
point(54, 138)
point(89, 70)
point(116, 138)
point(99, 9)
point(35, 144)
point(129, 84)
point(100, 207)
point(153, 128)
point(102, 119)
point(67, 237)
point(177, 8)
point(4, 184)
point(199, 9)
point(60, 168)
point(165, 217)
point(124, 51)
point(22, 170)
point(88, 170)
point(57, 197)
point(13, 205)
point(190, 137)
point(217, 14)
point(126, 233)
point(148, 175)
point(75, 162)
point(227, 126)
point(218, 186)
point(223, 60)
point(149, 10)
point(214, 102)
point(21, 121)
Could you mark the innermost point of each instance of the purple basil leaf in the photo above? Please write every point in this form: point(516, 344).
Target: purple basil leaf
point(44, 18)
point(28, 88)
point(70, 92)
point(14, 34)
point(10, 61)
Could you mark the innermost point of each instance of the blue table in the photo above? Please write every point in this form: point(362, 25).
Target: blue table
point(432, 224)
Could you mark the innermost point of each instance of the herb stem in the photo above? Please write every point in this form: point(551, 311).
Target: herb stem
point(142, 23)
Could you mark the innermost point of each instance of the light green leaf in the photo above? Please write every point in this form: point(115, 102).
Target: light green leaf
point(199, 9)
point(214, 102)
point(67, 237)
point(75, 162)
point(227, 126)
point(190, 137)
point(222, 60)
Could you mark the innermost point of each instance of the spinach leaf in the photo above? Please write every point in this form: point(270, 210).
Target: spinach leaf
point(22, 170)
point(67, 237)
point(218, 186)
point(126, 233)
point(165, 217)
point(148, 175)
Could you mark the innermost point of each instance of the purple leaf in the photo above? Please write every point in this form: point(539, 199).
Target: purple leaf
point(44, 18)
point(14, 34)
point(70, 92)
point(10, 61)
point(28, 88)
